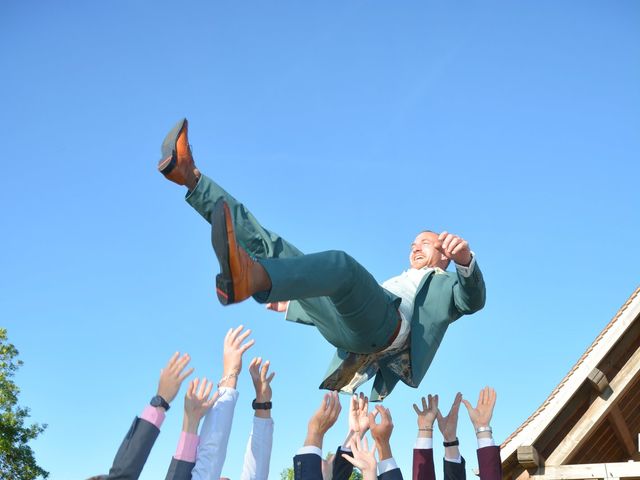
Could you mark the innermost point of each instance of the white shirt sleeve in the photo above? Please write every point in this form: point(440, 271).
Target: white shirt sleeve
point(214, 437)
point(309, 449)
point(386, 465)
point(423, 443)
point(258, 452)
point(467, 271)
point(486, 442)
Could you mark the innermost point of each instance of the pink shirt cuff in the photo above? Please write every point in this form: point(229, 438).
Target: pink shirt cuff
point(153, 415)
point(187, 446)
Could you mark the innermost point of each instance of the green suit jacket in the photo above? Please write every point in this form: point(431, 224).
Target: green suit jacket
point(441, 298)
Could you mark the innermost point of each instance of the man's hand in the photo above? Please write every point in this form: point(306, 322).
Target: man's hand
point(381, 432)
point(449, 425)
point(427, 415)
point(454, 248)
point(197, 402)
point(171, 376)
point(261, 379)
point(232, 355)
point(481, 415)
point(278, 306)
point(262, 384)
point(363, 458)
point(323, 419)
point(359, 414)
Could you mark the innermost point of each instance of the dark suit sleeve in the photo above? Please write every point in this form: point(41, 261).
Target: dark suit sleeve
point(307, 466)
point(134, 450)
point(394, 474)
point(342, 469)
point(489, 463)
point(469, 293)
point(180, 470)
point(423, 464)
point(455, 470)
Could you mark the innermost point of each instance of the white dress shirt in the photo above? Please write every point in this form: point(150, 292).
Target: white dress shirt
point(214, 437)
point(258, 453)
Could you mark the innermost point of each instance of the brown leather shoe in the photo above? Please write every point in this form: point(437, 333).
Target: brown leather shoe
point(177, 162)
point(233, 283)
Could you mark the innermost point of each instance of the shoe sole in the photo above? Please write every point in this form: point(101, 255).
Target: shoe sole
point(169, 156)
point(220, 240)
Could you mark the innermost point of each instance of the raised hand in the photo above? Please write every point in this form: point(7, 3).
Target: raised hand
point(197, 402)
point(359, 414)
point(232, 355)
point(455, 248)
point(323, 419)
point(261, 379)
point(172, 375)
point(449, 425)
point(428, 414)
point(363, 458)
point(381, 432)
point(481, 415)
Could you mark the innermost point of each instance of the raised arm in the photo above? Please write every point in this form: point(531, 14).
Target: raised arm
point(469, 292)
point(489, 462)
point(216, 427)
point(137, 444)
point(381, 433)
point(454, 465)
point(307, 464)
point(197, 402)
point(423, 450)
point(258, 452)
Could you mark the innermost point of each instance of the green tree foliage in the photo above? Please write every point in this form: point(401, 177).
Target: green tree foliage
point(287, 474)
point(16, 457)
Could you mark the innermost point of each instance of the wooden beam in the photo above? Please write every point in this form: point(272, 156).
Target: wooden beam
point(596, 413)
point(544, 416)
point(528, 457)
point(588, 470)
point(598, 380)
point(622, 430)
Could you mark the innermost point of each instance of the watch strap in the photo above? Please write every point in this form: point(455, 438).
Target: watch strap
point(261, 405)
point(158, 401)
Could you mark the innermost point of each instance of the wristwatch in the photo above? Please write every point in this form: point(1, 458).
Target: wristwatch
point(158, 401)
point(261, 406)
point(454, 443)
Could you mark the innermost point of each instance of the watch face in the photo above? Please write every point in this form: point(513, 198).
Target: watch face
point(158, 401)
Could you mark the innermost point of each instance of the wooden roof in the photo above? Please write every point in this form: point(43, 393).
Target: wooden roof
point(592, 418)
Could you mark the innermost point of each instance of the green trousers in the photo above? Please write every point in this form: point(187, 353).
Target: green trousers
point(337, 294)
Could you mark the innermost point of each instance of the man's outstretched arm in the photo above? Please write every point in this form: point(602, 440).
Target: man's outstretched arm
point(469, 293)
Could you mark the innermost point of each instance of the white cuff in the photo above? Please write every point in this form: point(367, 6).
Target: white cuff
point(458, 459)
point(486, 442)
point(386, 465)
point(227, 391)
point(467, 271)
point(423, 442)
point(309, 449)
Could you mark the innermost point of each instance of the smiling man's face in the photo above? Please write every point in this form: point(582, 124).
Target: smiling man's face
point(424, 254)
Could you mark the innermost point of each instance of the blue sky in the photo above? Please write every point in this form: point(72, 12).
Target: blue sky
point(342, 125)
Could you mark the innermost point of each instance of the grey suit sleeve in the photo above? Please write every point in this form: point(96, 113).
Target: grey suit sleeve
point(342, 469)
point(454, 470)
point(180, 470)
point(307, 466)
point(134, 450)
point(394, 474)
